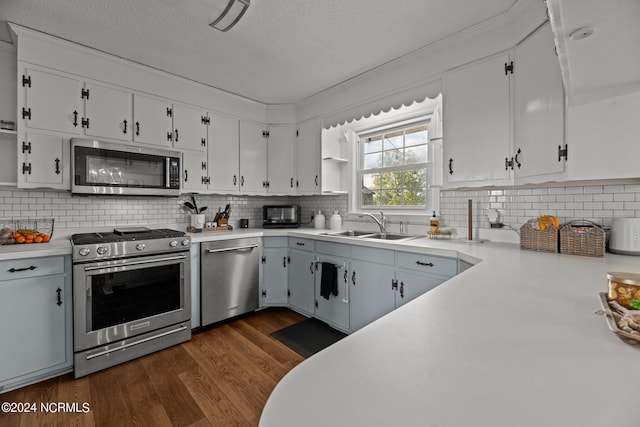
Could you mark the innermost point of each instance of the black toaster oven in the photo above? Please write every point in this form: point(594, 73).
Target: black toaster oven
point(281, 216)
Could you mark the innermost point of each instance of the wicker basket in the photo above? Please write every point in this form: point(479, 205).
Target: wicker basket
point(582, 237)
point(538, 240)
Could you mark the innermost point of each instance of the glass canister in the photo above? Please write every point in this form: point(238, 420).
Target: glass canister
point(624, 288)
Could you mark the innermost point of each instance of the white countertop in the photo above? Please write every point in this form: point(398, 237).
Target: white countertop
point(511, 342)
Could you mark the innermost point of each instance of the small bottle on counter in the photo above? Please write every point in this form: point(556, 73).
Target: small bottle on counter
point(335, 222)
point(434, 223)
point(319, 221)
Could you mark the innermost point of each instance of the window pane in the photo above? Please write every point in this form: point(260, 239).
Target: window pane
point(416, 155)
point(392, 158)
point(391, 180)
point(415, 197)
point(369, 188)
point(416, 136)
point(372, 160)
point(415, 178)
point(391, 198)
point(393, 141)
point(373, 144)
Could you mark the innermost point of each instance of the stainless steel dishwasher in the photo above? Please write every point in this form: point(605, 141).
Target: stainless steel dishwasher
point(228, 278)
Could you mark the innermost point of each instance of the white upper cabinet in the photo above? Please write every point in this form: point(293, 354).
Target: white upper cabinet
point(189, 128)
point(43, 161)
point(152, 123)
point(476, 122)
point(194, 172)
point(253, 155)
point(224, 154)
point(538, 108)
point(51, 101)
point(107, 112)
point(281, 145)
point(308, 157)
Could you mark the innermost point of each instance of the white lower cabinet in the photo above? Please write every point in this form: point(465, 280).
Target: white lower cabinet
point(371, 282)
point(411, 285)
point(333, 309)
point(35, 310)
point(371, 285)
point(302, 276)
point(274, 271)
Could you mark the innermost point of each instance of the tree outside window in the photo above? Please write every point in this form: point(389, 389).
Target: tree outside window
point(394, 168)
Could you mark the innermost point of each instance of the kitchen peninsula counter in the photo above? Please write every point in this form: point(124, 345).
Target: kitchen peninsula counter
point(511, 342)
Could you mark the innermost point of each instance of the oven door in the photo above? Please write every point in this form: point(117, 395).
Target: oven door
point(115, 300)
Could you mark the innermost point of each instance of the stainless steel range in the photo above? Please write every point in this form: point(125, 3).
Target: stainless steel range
point(131, 295)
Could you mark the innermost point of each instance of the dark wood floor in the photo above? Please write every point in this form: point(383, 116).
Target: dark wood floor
point(222, 377)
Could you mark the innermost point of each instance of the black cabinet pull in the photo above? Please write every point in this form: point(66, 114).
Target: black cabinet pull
point(75, 118)
point(297, 183)
point(284, 261)
point(57, 166)
point(291, 182)
point(516, 158)
point(316, 180)
point(234, 180)
point(186, 175)
point(137, 128)
point(242, 181)
point(353, 278)
point(176, 135)
point(124, 130)
point(401, 289)
point(311, 267)
point(450, 166)
point(426, 264)
point(15, 270)
point(299, 244)
point(59, 292)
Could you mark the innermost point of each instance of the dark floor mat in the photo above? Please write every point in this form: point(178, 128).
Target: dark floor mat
point(308, 337)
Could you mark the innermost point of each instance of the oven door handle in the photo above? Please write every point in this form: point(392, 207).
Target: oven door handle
point(126, 264)
point(235, 248)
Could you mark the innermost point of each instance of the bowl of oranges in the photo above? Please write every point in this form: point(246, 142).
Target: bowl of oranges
point(26, 231)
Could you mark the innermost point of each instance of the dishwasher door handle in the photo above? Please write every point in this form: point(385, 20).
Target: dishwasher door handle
point(235, 248)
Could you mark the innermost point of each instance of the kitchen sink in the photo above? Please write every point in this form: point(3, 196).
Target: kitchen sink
point(349, 233)
point(388, 236)
point(370, 235)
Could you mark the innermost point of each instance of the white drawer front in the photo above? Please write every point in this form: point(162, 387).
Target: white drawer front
point(302, 244)
point(427, 263)
point(31, 267)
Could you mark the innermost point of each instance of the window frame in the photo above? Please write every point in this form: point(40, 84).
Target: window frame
point(360, 171)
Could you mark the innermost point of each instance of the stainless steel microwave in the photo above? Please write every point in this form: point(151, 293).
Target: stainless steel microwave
point(104, 168)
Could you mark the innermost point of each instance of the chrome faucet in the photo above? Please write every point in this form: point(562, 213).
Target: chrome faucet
point(381, 222)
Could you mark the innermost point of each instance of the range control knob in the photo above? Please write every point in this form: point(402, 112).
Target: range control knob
point(173, 243)
point(84, 251)
point(141, 246)
point(102, 250)
point(185, 242)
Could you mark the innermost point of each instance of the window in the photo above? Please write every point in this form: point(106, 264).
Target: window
point(393, 168)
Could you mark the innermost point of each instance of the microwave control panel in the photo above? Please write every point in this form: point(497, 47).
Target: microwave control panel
point(174, 172)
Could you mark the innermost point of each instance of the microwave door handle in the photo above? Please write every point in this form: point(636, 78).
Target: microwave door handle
point(167, 173)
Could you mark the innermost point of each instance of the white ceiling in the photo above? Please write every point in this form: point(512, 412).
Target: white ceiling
point(282, 51)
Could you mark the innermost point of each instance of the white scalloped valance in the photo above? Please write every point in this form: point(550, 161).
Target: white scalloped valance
point(385, 103)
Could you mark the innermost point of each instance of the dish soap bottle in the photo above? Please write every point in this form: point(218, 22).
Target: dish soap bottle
point(319, 221)
point(335, 222)
point(434, 222)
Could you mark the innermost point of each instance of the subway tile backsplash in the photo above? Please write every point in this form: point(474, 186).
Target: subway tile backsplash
point(597, 203)
point(96, 211)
